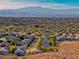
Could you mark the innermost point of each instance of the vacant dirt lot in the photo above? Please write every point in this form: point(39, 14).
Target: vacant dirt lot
point(67, 50)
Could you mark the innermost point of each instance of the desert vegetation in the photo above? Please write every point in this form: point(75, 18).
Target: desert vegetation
point(23, 36)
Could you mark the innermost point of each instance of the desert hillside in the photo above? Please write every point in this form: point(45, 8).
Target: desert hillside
point(67, 50)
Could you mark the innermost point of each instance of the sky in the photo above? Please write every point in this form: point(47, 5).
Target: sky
point(52, 4)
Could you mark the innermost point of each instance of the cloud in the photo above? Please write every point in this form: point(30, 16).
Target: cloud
point(4, 0)
point(9, 4)
point(40, 1)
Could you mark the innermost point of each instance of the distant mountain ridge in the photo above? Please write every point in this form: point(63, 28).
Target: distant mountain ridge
point(40, 12)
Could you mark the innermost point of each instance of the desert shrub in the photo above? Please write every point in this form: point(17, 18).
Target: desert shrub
point(53, 48)
point(43, 48)
point(38, 43)
point(29, 53)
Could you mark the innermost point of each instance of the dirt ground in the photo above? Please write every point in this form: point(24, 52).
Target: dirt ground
point(67, 50)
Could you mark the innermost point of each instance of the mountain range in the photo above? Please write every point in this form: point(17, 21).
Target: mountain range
point(40, 12)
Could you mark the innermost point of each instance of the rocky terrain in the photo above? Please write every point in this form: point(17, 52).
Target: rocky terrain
point(67, 50)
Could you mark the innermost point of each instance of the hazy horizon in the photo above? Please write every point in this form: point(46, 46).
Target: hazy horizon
point(39, 8)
